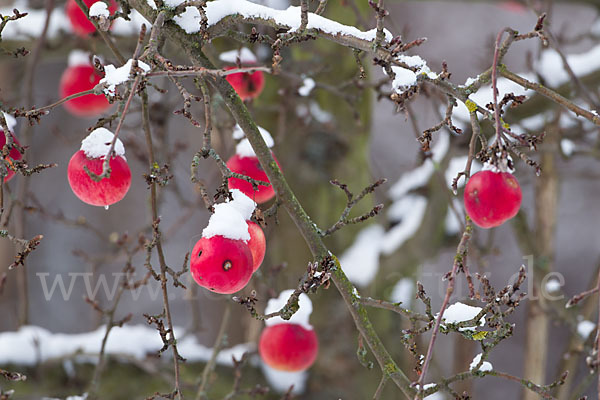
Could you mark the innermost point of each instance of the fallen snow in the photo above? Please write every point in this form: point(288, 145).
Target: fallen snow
point(360, 261)
point(485, 366)
point(97, 144)
point(138, 341)
point(308, 85)
point(409, 211)
point(585, 328)
point(245, 55)
point(281, 381)
point(460, 312)
point(244, 148)
point(301, 317)
point(419, 176)
point(99, 9)
point(115, 76)
point(403, 292)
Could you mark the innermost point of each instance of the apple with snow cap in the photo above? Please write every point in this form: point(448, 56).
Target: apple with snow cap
point(492, 197)
point(222, 260)
point(80, 76)
point(79, 22)
point(94, 149)
point(289, 345)
point(246, 163)
point(248, 85)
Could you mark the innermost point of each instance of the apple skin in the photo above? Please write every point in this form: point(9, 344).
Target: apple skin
point(79, 22)
point(248, 85)
point(250, 166)
point(104, 193)
point(288, 347)
point(257, 244)
point(79, 78)
point(13, 154)
point(491, 198)
point(221, 265)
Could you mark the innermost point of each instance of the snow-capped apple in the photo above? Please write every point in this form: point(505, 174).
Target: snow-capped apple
point(492, 197)
point(250, 167)
point(221, 265)
point(80, 76)
point(248, 85)
point(221, 260)
point(257, 244)
point(94, 149)
point(288, 347)
point(79, 22)
point(13, 154)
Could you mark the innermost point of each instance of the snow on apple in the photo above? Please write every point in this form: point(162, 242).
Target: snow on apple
point(244, 148)
point(99, 9)
point(243, 55)
point(94, 149)
point(79, 22)
point(223, 260)
point(80, 76)
point(300, 317)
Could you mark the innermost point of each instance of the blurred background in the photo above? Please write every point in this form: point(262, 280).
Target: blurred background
point(337, 131)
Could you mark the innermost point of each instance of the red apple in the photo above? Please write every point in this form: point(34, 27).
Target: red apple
point(13, 154)
point(79, 22)
point(104, 193)
point(248, 85)
point(250, 167)
point(491, 198)
point(221, 265)
point(257, 244)
point(79, 78)
point(288, 347)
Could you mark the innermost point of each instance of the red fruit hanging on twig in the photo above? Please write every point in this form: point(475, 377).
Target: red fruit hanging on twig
point(288, 347)
point(491, 198)
point(221, 265)
point(79, 22)
point(79, 77)
point(94, 149)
